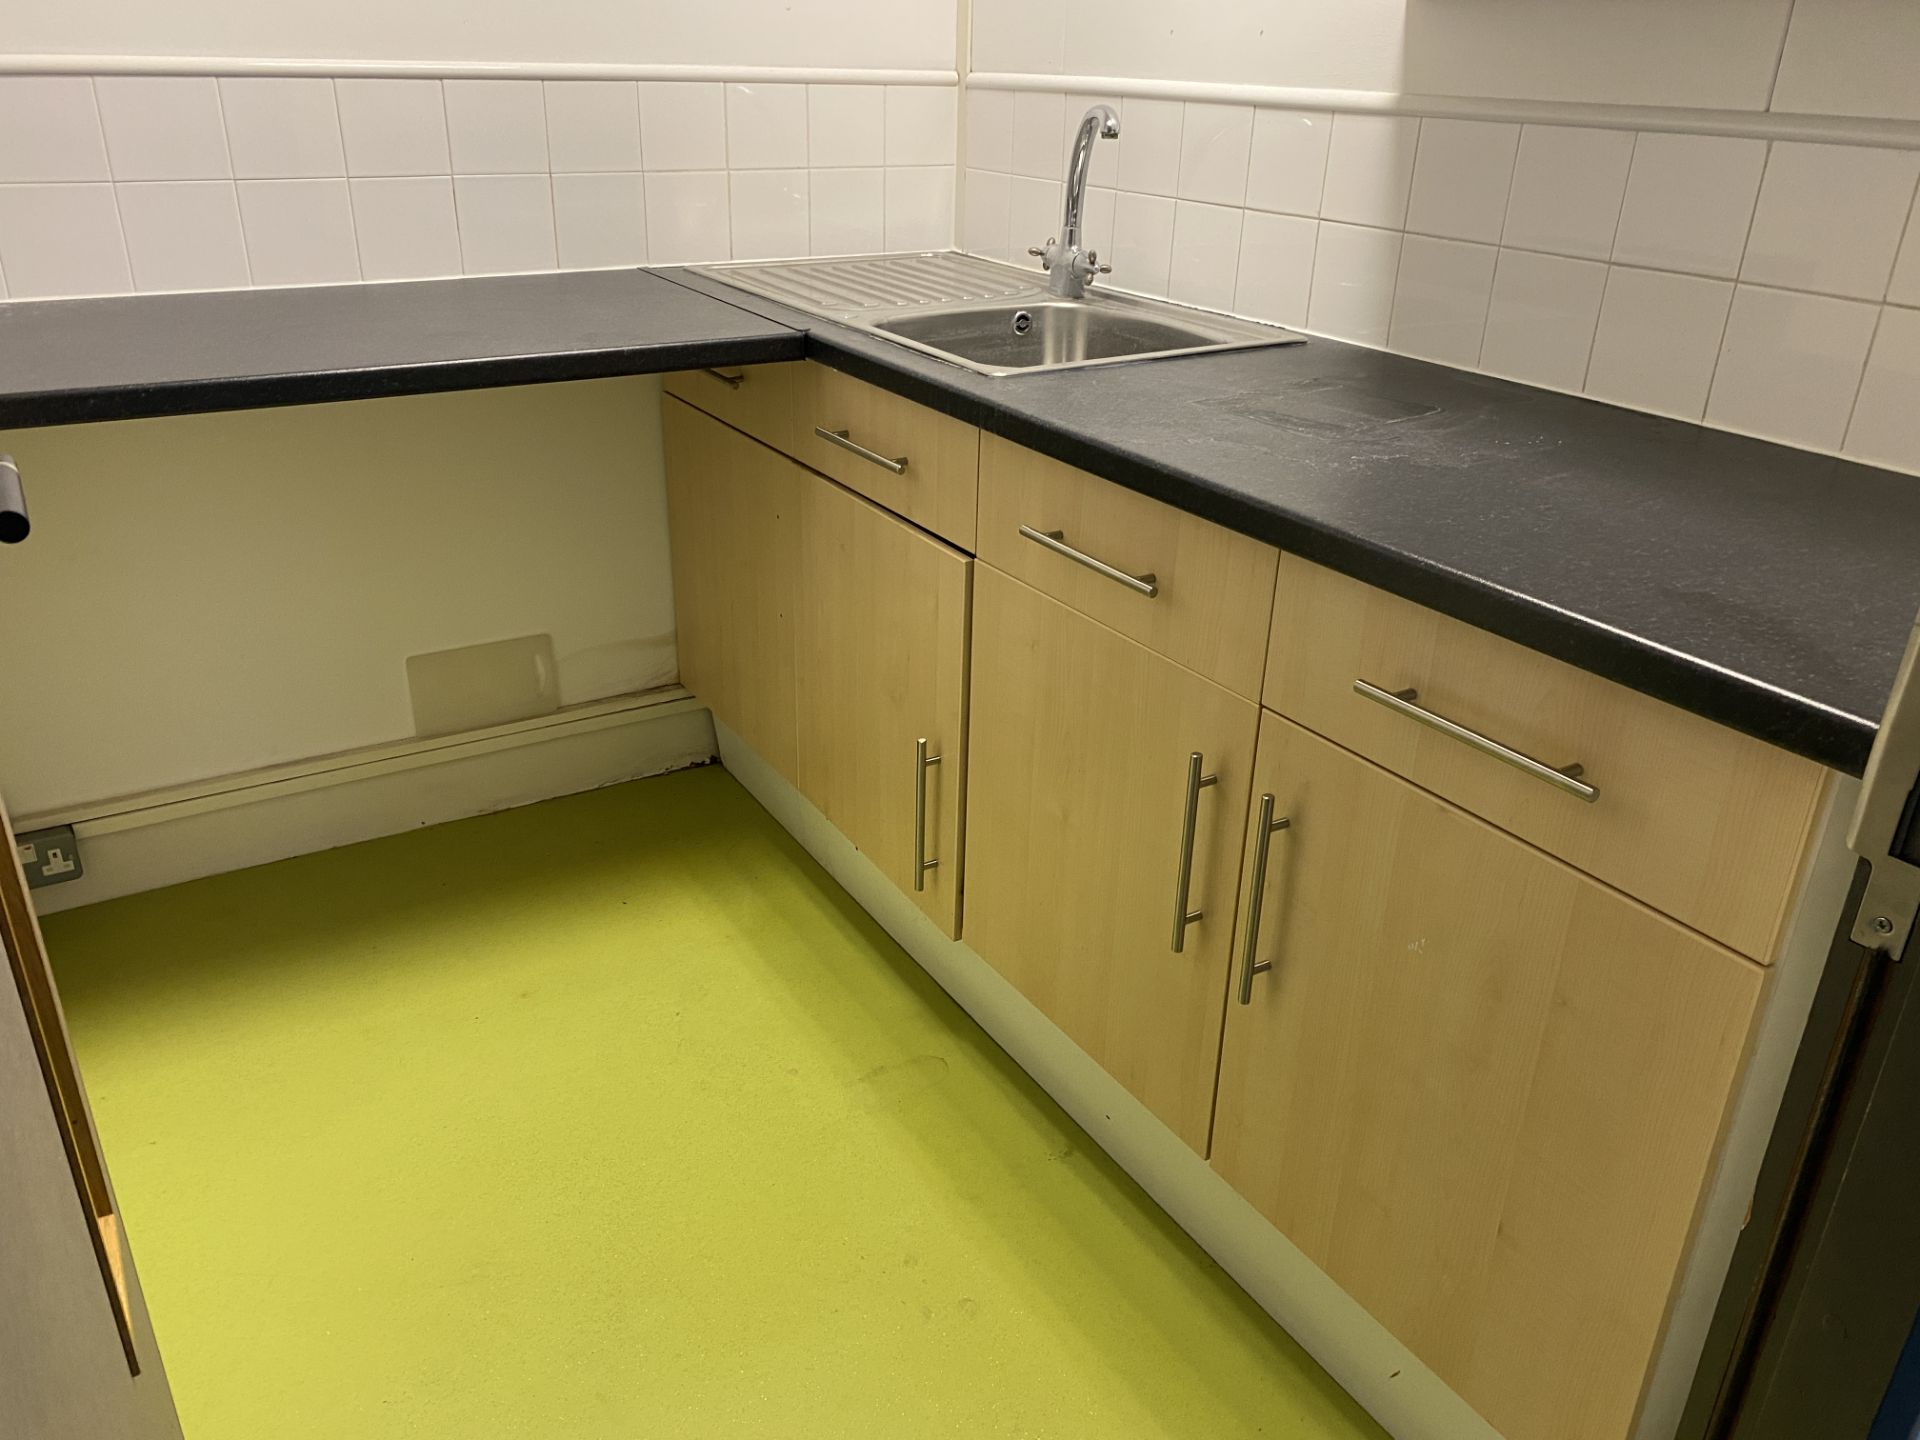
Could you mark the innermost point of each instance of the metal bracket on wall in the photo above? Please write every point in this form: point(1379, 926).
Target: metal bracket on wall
point(1886, 823)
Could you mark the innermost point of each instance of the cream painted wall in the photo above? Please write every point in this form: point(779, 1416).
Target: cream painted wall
point(1840, 57)
point(208, 594)
point(900, 34)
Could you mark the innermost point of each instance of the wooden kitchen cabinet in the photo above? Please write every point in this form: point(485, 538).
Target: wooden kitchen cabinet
point(1077, 792)
point(1478, 1088)
point(881, 645)
point(734, 506)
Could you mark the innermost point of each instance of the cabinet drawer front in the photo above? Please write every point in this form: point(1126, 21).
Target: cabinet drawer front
point(1481, 1090)
point(1051, 525)
point(1077, 798)
point(755, 398)
point(1703, 823)
point(915, 461)
point(881, 640)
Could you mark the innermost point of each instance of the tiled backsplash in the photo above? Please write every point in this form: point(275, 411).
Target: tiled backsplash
point(1765, 286)
point(111, 184)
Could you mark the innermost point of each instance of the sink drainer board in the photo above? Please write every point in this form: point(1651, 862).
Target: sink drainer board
point(990, 317)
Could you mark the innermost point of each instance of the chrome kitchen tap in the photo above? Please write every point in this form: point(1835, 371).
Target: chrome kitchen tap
point(1069, 267)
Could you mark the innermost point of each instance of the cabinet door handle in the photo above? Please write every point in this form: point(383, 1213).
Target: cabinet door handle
point(1189, 825)
point(839, 437)
point(1562, 777)
point(1263, 833)
point(921, 762)
point(1056, 541)
point(732, 382)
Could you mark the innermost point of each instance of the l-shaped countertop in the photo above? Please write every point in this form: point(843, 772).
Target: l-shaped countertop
point(1766, 588)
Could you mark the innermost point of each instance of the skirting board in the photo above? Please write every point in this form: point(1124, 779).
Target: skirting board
point(238, 821)
point(1366, 1361)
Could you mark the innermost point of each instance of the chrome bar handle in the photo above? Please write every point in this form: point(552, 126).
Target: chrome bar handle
point(921, 864)
point(1189, 826)
point(1262, 835)
point(732, 382)
point(839, 437)
point(1403, 702)
point(1056, 541)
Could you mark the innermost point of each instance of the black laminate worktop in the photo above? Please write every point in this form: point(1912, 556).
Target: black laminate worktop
point(1766, 588)
point(123, 357)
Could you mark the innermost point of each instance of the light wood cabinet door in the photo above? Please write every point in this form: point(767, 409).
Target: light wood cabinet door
point(881, 644)
point(1479, 1089)
point(1077, 792)
point(734, 507)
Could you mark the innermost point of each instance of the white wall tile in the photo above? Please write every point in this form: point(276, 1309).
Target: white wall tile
point(846, 125)
point(1461, 177)
point(1790, 365)
point(766, 128)
point(299, 232)
point(987, 218)
point(1689, 202)
point(1275, 274)
point(183, 235)
point(1104, 170)
point(406, 227)
point(1568, 183)
point(1038, 120)
point(1370, 169)
point(920, 207)
point(600, 220)
point(50, 129)
point(990, 130)
point(687, 216)
point(848, 211)
point(1206, 254)
point(1353, 273)
point(393, 127)
point(1886, 421)
point(1905, 287)
point(1096, 222)
point(1149, 147)
point(1142, 242)
point(1830, 218)
point(282, 127)
point(506, 223)
point(62, 240)
point(1215, 142)
point(163, 127)
point(1288, 166)
point(1542, 317)
point(1658, 338)
point(769, 214)
point(1440, 299)
point(683, 126)
point(1033, 216)
point(920, 124)
point(593, 126)
point(497, 127)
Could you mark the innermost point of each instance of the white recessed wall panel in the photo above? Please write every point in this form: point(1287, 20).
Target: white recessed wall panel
point(1852, 57)
point(1712, 53)
point(891, 34)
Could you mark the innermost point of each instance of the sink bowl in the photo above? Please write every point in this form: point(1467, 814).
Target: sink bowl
point(993, 318)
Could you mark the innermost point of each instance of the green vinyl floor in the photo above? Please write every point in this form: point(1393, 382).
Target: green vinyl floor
point(615, 1117)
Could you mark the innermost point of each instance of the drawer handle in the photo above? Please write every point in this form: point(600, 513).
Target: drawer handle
point(921, 761)
point(732, 382)
point(1189, 825)
point(839, 437)
point(1262, 835)
point(1056, 541)
point(1564, 777)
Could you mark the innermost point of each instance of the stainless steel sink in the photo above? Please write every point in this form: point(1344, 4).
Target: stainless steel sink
point(993, 318)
